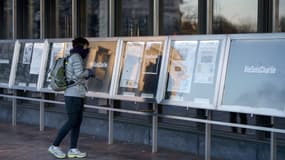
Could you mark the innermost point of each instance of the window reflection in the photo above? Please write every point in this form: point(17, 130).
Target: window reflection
point(28, 19)
point(101, 60)
point(58, 18)
point(235, 16)
point(282, 15)
point(140, 68)
point(135, 18)
point(6, 19)
point(179, 17)
point(28, 66)
point(6, 55)
point(93, 21)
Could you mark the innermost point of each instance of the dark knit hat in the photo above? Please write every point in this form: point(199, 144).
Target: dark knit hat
point(79, 42)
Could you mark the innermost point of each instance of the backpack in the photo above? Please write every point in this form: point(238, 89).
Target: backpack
point(57, 75)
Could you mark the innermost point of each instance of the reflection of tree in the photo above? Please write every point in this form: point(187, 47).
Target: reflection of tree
point(189, 27)
point(282, 24)
point(189, 18)
point(222, 25)
point(150, 68)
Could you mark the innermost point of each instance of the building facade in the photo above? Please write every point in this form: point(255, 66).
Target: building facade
point(38, 19)
point(64, 19)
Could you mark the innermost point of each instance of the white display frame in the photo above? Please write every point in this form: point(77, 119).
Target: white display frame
point(118, 68)
point(101, 94)
point(16, 60)
point(246, 109)
point(163, 76)
point(88, 94)
point(6, 85)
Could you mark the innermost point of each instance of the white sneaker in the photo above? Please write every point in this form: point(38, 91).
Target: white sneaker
point(75, 153)
point(56, 151)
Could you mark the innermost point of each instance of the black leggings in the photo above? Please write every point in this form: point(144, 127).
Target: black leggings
point(74, 108)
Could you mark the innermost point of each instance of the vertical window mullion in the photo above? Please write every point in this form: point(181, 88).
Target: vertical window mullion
point(264, 16)
point(202, 16)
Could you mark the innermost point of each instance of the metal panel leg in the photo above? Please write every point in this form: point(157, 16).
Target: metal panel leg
point(111, 124)
point(272, 143)
point(14, 109)
point(208, 137)
point(42, 113)
point(154, 128)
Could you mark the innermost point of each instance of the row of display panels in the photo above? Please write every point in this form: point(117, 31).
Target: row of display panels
point(239, 73)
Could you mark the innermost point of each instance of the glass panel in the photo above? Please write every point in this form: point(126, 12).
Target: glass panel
point(93, 18)
point(192, 71)
point(255, 75)
point(56, 50)
point(282, 15)
point(101, 61)
point(6, 57)
point(28, 18)
point(179, 17)
point(235, 16)
point(28, 66)
point(140, 68)
point(6, 19)
point(135, 18)
point(58, 18)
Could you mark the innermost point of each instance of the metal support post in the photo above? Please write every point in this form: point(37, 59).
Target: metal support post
point(42, 113)
point(208, 137)
point(154, 127)
point(111, 123)
point(156, 17)
point(14, 109)
point(273, 143)
point(210, 16)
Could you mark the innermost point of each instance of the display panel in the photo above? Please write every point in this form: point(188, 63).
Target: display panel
point(254, 81)
point(192, 72)
point(101, 61)
point(29, 65)
point(6, 58)
point(56, 50)
point(140, 67)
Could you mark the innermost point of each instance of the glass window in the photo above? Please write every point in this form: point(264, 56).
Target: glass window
point(140, 68)
point(282, 15)
point(6, 19)
point(28, 18)
point(28, 67)
point(255, 74)
point(179, 17)
point(192, 71)
point(135, 18)
point(58, 22)
point(6, 56)
point(235, 16)
point(101, 60)
point(93, 18)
